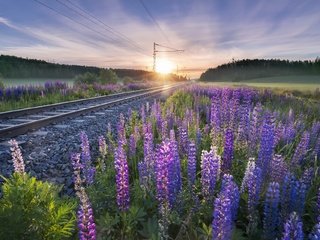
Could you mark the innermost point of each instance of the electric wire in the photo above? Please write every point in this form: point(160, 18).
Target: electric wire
point(83, 25)
point(154, 20)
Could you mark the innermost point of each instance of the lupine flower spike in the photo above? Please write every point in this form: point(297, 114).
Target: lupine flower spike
point(17, 159)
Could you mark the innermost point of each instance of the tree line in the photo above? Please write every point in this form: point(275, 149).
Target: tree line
point(258, 68)
point(17, 67)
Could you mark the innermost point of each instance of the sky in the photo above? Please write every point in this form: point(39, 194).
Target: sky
point(121, 33)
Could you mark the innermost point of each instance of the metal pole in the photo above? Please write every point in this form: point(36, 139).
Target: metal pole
point(154, 56)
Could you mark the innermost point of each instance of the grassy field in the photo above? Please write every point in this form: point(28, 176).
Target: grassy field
point(32, 81)
point(301, 83)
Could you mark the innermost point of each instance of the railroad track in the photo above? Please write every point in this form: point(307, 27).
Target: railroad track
point(18, 122)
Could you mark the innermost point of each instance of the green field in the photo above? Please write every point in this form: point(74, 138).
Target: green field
point(301, 83)
point(11, 82)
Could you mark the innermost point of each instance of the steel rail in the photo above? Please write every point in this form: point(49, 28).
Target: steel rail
point(23, 128)
point(48, 107)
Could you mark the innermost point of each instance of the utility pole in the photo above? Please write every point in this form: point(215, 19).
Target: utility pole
point(154, 56)
point(155, 51)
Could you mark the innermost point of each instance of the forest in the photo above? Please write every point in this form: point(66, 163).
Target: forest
point(240, 70)
point(17, 67)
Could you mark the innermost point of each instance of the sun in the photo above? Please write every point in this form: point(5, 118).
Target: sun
point(164, 66)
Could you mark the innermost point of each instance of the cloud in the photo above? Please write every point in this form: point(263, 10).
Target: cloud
point(210, 33)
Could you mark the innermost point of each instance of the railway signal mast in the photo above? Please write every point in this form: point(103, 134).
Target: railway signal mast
point(155, 51)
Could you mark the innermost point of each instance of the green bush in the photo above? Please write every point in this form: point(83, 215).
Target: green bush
point(31, 209)
point(87, 78)
point(1, 82)
point(107, 76)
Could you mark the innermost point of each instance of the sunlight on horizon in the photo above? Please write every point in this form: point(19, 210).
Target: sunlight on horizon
point(164, 66)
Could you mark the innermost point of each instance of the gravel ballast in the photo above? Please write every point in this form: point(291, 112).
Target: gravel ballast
point(47, 151)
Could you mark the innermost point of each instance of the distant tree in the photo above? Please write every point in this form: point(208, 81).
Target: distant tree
point(87, 78)
point(127, 79)
point(107, 76)
point(257, 68)
point(1, 82)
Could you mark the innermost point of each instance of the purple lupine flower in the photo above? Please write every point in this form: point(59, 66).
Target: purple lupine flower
point(192, 163)
point(132, 145)
point(278, 133)
point(222, 218)
point(314, 133)
point(225, 107)
point(17, 158)
point(169, 119)
point(130, 114)
point(163, 163)
point(228, 151)
point(278, 168)
point(215, 118)
point(230, 188)
point(254, 188)
point(266, 145)
point(143, 114)
point(122, 178)
point(300, 201)
point(164, 130)
point(77, 166)
point(88, 169)
point(271, 211)
point(318, 205)
point(255, 128)
point(289, 132)
point(102, 145)
point(307, 177)
point(235, 102)
point(121, 130)
point(183, 139)
point(301, 150)
point(172, 135)
point(252, 181)
point(143, 175)
point(293, 196)
point(243, 128)
point(210, 171)
point(175, 183)
point(251, 165)
point(86, 225)
point(148, 150)
point(286, 194)
point(208, 114)
point(293, 228)
point(315, 234)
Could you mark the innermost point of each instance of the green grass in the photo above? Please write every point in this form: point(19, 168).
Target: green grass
point(11, 82)
point(39, 101)
point(301, 83)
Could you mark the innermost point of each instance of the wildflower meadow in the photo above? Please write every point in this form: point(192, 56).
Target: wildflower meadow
point(207, 163)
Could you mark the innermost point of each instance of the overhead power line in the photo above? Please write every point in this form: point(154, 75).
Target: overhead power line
point(83, 25)
point(154, 20)
point(104, 25)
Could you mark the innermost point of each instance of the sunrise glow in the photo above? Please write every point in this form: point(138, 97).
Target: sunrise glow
point(164, 66)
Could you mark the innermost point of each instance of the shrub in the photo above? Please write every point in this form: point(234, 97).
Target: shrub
point(88, 78)
point(107, 76)
point(31, 209)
